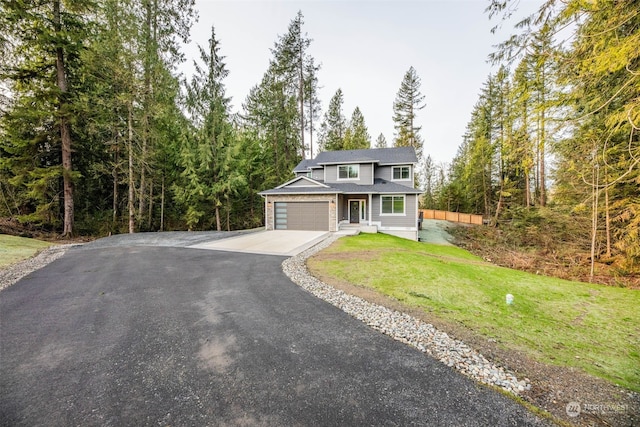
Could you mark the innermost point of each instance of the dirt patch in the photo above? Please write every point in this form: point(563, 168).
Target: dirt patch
point(547, 251)
point(12, 227)
point(553, 387)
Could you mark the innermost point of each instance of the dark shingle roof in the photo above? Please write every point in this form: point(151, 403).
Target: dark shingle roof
point(305, 165)
point(380, 186)
point(382, 156)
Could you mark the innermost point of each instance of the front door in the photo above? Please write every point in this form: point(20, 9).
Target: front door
point(354, 211)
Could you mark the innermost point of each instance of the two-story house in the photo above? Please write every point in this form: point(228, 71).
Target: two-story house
point(372, 188)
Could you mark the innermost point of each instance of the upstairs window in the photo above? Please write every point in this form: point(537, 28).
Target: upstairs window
point(401, 173)
point(349, 172)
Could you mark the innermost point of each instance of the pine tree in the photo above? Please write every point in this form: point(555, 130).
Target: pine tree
point(408, 102)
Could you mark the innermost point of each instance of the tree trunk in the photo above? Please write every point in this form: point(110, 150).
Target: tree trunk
point(162, 206)
point(218, 224)
point(311, 117)
point(130, 206)
point(114, 174)
point(541, 145)
point(607, 219)
point(301, 100)
point(594, 220)
point(150, 205)
point(527, 190)
point(65, 131)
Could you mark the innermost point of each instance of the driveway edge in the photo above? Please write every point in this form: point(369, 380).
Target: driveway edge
point(403, 327)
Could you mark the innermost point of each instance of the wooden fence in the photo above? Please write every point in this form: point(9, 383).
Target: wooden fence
point(452, 216)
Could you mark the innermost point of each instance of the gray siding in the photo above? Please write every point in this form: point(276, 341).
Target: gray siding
point(385, 172)
point(302, 183)
point(408, 220)
point(317, 174)
point(365, 176)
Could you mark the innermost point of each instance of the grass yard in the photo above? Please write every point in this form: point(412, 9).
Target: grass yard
point(14, 249)
point(592, 327)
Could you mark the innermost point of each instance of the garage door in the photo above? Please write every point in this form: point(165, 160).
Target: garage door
point(302, 216)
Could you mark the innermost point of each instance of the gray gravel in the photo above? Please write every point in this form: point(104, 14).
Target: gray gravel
point(17, 271)
point(402, 327)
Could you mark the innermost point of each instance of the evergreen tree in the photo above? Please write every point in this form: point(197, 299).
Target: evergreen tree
point(313, 101)
point(357, 137)
point(44, 42)
point(408, 102)
point(334, 125)
point(292, 61)
point(381, 141)
point(207, 155)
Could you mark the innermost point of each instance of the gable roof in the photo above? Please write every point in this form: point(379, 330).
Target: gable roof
point(304, 182)
point(381, 156)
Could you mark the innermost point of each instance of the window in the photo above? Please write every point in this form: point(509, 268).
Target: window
point(349, 172)
point(392, 205)
point(401, 172)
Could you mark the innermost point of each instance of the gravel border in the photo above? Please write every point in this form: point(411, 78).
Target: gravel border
point(17, 271)
point(404, 328)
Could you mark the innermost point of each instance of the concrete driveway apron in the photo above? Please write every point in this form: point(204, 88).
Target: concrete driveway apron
point(275, 242)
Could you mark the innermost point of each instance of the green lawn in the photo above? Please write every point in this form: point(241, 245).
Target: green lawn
point(593, 327)
point(14, 249)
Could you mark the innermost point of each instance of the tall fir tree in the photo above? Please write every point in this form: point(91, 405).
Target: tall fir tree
point(334, 126)
point(357, 136)
point(409, 100)
point(207, 154)
point(44, 43)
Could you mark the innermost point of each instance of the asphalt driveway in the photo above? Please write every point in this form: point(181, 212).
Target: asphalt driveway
point(117, 334)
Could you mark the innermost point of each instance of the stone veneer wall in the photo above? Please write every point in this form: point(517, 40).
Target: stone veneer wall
point(272, 199)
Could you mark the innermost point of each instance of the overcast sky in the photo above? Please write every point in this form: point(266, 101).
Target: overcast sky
point(365, 48)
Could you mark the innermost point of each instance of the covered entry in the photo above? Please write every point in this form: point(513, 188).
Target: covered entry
point(312, 216)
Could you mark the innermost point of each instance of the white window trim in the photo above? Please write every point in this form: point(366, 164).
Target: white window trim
point(404, 204)
point(356, 165)
point(400, 167)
